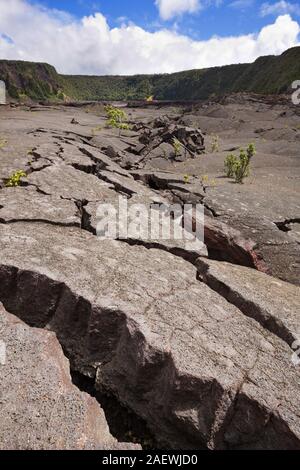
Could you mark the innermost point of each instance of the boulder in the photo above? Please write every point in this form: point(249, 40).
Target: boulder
point(191, 140)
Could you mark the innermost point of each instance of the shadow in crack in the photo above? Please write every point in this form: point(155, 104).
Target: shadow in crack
point(123, 424)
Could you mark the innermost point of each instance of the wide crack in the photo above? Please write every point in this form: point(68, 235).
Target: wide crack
point(44, 303)
point(124, 424)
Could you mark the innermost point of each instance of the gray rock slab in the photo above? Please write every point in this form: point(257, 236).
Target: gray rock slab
point(199, 371)
point(21, 203)
point(272, 302)
point(68, 183)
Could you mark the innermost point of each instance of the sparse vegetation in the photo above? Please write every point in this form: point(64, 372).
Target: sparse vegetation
point(15, 179)
point(215, 144)
point(239, 167)
point(95, 129)
point(186, 179)
point(206, 181)
point(116, 118)
point(229, 164)
point(177, 146)
point(3, 142)
point(242, 168)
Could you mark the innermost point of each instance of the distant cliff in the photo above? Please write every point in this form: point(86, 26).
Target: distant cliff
point(34, 80)
point(267, 75)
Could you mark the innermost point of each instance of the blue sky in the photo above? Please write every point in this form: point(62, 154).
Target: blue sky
point(223, 17)
point(145, 36)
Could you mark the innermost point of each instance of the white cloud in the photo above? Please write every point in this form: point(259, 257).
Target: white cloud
point(241, 4)
point(90, 46)
point(170, 8)
point(279, 8)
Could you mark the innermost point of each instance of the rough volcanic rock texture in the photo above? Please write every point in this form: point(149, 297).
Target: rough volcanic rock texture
point(161, 139)
point(273, 303)
point(196, 349)
point(200, 372)
point(40, 408)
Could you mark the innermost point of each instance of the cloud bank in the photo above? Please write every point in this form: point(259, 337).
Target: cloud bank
point(90, 46)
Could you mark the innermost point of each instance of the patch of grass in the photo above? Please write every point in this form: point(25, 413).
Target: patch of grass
point(15, 179)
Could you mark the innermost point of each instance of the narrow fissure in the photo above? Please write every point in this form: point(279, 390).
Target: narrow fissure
point(247, 307)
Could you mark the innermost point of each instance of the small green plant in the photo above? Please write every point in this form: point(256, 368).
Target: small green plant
point(3, 142)
point(15, 179)
point(242, 169)
point(239, 167)
point(215, 145)
point(95, 129)
point(186, 179)
point(230, 162)
point(116, 118)
point(60, 95)
point(176, 146)
point(206, 181)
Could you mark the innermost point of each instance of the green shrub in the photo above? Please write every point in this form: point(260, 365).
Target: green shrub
point(230, 162)
point(15, 179)
point(61, 95)
point(176, 146)
point(242, 168)
point(116, 118)
point(239, 167)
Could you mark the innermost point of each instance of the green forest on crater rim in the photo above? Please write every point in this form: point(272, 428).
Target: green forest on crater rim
point(267, 75)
